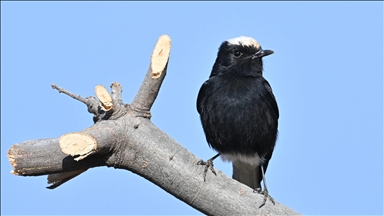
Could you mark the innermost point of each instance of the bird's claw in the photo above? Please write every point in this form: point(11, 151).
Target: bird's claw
point(207, 164)
point(266, 196)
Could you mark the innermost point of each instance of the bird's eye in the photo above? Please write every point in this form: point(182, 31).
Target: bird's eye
point(237, 53)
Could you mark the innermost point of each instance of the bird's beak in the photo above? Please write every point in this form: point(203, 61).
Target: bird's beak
point(261, 53)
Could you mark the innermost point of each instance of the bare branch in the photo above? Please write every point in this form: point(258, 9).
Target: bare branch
point(90, 101)
point(61, 90)
point(30, 158)
point(150, 87)
point(152, 154)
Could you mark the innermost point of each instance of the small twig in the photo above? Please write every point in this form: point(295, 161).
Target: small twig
point(91, 102)
point(77, 97)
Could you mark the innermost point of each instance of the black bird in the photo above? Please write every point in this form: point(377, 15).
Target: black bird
point(239, 112)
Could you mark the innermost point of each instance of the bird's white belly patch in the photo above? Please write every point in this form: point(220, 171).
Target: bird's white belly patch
point(253, 160)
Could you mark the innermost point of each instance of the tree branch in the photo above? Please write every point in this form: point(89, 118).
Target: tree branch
point(150, 87)
point(123, 137)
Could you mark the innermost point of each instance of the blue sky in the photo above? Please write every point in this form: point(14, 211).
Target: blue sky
point(326, 73)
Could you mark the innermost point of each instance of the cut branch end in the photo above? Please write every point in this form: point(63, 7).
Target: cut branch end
point(12, 160)
point(78, 145)
point(104, 97)
point(160, 55)
point(14, 173)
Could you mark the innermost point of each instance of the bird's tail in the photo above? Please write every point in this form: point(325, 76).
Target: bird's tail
point(59, 178)
point(247, 174)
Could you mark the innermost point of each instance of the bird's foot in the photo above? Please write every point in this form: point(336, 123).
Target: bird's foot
point(207, 164)
point(266, 196)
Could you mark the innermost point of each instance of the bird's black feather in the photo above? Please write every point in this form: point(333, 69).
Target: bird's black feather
point(238, 114)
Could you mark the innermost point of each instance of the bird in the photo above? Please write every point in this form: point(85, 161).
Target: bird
point(239, 112)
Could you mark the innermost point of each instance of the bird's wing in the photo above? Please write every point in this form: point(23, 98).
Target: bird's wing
point(201, 96)
point(272, 99)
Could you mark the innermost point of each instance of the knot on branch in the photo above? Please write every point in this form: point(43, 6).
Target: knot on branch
point(138, 112)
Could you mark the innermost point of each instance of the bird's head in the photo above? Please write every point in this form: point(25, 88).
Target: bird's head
point(241, 55)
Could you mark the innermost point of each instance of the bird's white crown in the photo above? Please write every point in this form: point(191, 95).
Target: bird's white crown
point(245, 41)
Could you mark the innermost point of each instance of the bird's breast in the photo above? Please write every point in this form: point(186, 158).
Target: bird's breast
point(237, 117)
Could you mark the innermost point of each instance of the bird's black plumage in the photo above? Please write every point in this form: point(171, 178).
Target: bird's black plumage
point(238, 110)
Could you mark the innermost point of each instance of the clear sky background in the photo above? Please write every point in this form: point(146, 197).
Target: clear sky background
point(326, 73)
